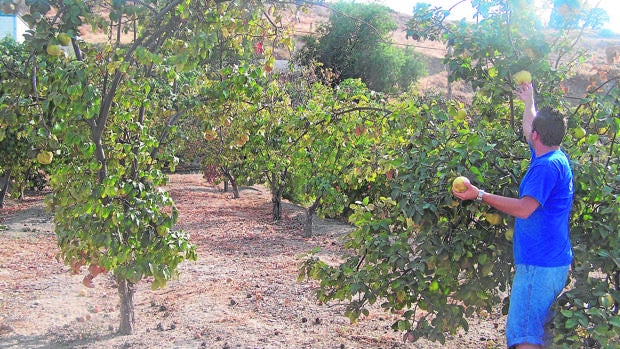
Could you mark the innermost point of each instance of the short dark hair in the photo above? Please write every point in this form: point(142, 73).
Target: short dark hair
point(550, 125)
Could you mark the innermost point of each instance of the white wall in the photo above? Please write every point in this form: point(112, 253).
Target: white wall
point(13, 26)
point(21, 27)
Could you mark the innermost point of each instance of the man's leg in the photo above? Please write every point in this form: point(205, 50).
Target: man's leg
point(534, 290)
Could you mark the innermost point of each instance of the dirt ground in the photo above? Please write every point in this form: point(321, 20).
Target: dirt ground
point(242, 292)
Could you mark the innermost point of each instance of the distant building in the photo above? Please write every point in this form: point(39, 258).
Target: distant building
point(13, 26)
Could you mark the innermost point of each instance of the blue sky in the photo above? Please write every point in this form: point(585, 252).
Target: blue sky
point(464, 9)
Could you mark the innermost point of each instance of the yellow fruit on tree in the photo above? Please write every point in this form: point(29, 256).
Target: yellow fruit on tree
point(64, 39)
point(241, 140)
point(400, 296)
point(579, 132)
point(458, 185)
point(162, 231)
point(509, 234)
point(493, 218)
point(460, 114)
point(53, 50)
point(434, 286)
point(522, 77)
point(606, 300)
point(487, 269)
point(210, 135)
point(45, 157)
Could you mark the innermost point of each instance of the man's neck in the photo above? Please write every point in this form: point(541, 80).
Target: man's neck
point(542, 149)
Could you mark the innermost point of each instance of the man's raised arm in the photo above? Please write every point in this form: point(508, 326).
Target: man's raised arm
point(526, 94)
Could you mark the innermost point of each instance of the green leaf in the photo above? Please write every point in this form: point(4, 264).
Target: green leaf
point(571, 323)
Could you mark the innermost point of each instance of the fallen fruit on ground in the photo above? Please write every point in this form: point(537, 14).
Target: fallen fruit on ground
point(458, 185)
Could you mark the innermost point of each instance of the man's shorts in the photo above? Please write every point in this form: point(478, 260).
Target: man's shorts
point(534, 289)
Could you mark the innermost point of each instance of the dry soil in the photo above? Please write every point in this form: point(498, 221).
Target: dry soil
point(242, 292)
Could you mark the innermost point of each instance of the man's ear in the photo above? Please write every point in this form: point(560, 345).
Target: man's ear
point(534, 135)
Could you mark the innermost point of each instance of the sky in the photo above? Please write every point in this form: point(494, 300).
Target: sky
point(464, 10)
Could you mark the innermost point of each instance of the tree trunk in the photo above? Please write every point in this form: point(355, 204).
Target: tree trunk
point(310, 211)
point(126, 290)
point(233, 183)
point(4, 187)
point(276, 201)
point(235, 189)
point(277, 185)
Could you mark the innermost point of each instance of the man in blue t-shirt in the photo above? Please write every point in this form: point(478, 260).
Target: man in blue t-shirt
point(542, 249)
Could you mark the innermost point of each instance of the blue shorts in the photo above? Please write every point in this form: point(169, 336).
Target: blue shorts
point(534, 289)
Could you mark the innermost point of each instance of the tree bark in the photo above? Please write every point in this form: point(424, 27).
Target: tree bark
point(126, 290)
point(235, 189)
point(277, 184)
point(276, 201)
point(233, 183)
point(310, 211)
point(4, 187)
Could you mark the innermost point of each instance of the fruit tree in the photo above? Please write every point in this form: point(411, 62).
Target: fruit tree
point(113, 107)
point(418, 253)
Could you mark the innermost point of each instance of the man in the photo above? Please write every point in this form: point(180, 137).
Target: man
point(542, 249)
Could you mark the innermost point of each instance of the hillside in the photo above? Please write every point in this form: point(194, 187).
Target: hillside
point(603, 53)
point(307, 22)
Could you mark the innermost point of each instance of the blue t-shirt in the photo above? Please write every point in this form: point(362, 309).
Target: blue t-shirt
point(542, 239)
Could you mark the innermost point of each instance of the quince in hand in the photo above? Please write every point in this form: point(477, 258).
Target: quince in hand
point(522, 77)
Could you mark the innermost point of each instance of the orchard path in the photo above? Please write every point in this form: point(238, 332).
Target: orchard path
point(242, 292)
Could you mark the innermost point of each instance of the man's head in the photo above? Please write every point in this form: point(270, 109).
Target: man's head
point(550, 126)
